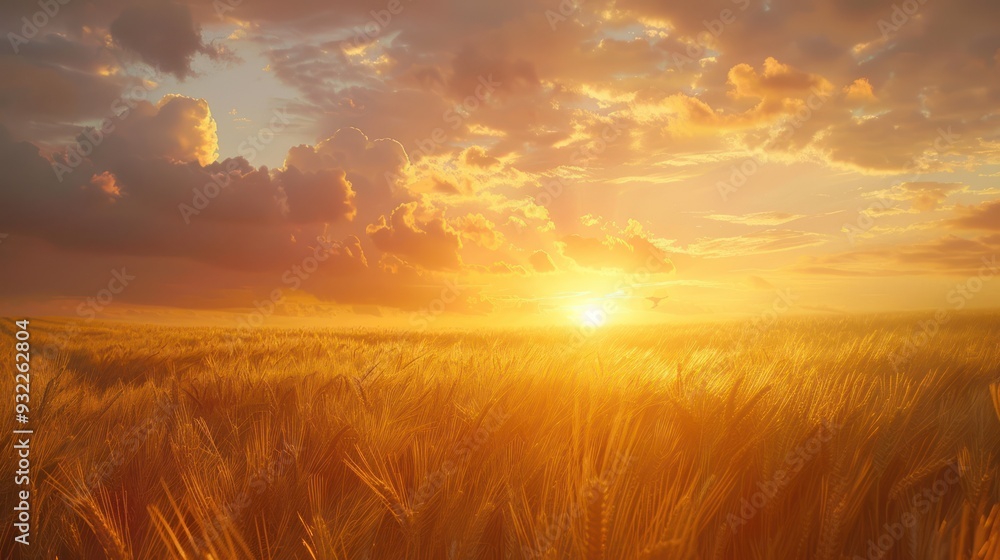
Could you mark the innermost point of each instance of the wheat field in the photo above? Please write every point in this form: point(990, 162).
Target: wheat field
point(807, 440)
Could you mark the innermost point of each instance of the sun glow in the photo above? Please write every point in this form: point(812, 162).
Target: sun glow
point(592, 315)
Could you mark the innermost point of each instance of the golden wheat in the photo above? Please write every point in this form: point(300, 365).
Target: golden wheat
point(801, 443)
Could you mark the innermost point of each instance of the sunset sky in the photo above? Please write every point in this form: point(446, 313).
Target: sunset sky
point(517, 162)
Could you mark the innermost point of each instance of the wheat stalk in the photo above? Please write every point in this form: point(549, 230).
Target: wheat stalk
point(597, 522)
point(995, 391)
point(915, 476)
point(105, 531)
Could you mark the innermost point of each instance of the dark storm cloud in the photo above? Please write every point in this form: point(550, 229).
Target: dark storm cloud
point(163, 33)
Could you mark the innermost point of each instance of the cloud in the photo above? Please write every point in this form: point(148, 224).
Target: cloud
point(105, 185)
point(476, 73)
point(951, 255)
point(628, 254)
point(501, 267)
point(768, 241)
point(985, 216)
point(445, 186)
point(542, 262)
point(860, 92)
point(524, 211)
point(479, 230)
point(380, 162)
point(478, 157)
point(55, 84)
point(348, 257)
point(378, 172)
point(318, 196)
point(164, 34)
point(754, 77)
point(128, 204)
point(256, 234)
point(613, 115)
point(419, 234)
point(775, 85)
point(126, 197)
point(757, 218)
point(177, 128)
point(923, 196)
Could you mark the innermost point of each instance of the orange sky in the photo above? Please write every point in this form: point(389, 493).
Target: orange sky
point(526, 162)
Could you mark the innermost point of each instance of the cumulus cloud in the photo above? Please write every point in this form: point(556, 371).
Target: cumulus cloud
point(127, 204)
point(318, 196)
point(105, 185)
point(479, 230)
point(860, 92)
point(419, 234)
point(775, 85)
point(177, 128)
point(381, 162)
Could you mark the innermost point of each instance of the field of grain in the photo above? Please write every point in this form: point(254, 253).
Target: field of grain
point(812, 440)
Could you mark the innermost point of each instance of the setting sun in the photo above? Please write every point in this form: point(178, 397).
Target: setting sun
point(593, 316)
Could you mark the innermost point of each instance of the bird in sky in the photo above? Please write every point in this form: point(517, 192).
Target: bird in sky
point(656, 300)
